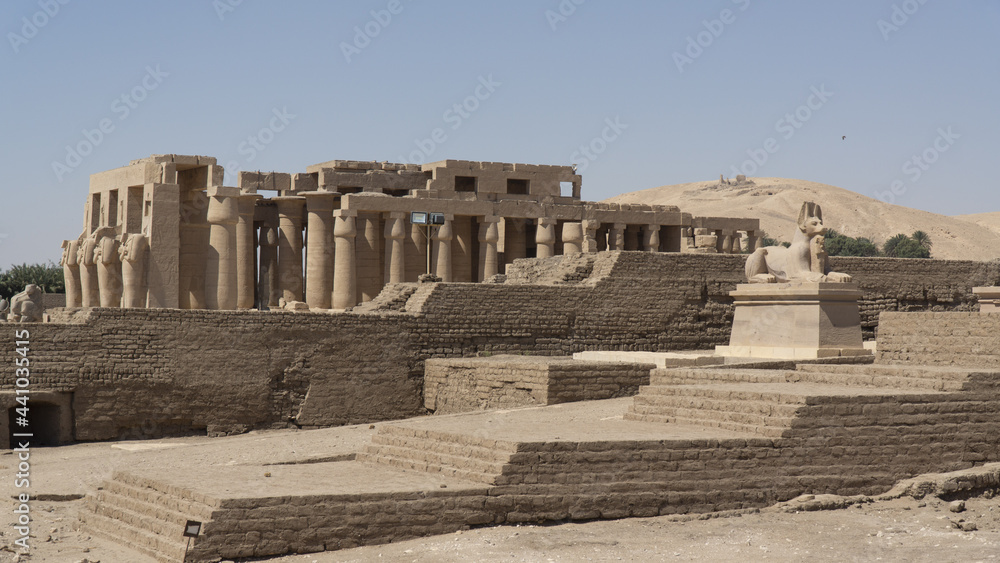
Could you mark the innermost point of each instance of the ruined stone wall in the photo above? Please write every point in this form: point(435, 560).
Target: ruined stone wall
point(468, 384)
point(941, 339)
point(156, 372)
point(899, 284)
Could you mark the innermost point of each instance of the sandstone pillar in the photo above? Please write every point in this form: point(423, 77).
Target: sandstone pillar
point(345, 290)
point(572, 237)
point(651, 238)
point(109, 268)
point(590, 244)
point(319, 249)
point(71, 272)
point(90, 293)
point(751, 241)
point(220, 260)
point(545, 237)
point(290, 246)
point(515, 244)
point(194, 243)
point(395, 252)
point(616, 236)
point(268, 288)
point(489, 235)
point(245, 251)
point(134, 252)
point(368, 249)
point(442, 237)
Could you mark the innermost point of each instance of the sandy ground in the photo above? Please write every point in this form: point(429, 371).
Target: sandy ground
point(903, 529)
point(776, 202)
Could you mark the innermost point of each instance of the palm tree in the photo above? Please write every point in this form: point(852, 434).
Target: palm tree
point(889, 248)
point(923, 239)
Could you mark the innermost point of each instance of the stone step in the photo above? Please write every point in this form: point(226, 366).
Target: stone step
point(639, 414)
point(445, 446)
point(418, 459)
point(166, 507)
point(842, 375)
point(117, 525)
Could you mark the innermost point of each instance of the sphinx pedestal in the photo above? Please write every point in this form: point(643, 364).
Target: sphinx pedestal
point(795, 321)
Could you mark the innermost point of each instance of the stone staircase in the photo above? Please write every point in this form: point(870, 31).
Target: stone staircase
point(454, 455)
point(144, 515)
point(794, 403)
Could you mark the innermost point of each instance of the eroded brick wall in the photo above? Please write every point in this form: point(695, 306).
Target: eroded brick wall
point(157, 372)
point(967, 339)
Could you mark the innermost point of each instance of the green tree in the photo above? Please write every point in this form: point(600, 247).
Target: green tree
point(49, 277)
point(910, 248)
point(889, 248)
point(922, 238)
point(843, 245)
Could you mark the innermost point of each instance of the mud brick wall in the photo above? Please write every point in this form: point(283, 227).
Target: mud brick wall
point(967, 339)
point(462, 385)
point(898, 284)
point(139, 372)
point(155, 372)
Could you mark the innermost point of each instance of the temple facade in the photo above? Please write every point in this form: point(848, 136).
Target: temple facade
point(163, 232)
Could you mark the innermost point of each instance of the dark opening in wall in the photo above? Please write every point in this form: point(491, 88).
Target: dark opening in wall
point(465, 183)
point(349, 189)
point(519, 187)
point(43, 423)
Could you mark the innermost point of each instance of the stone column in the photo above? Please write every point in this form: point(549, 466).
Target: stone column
point(616, 236)
point(290, 246)
point(442, 249)
point(545, 237)
point(572, 237)
point(651, 238)
point(134, 252)
point(109, 268)
point(515, 244)
point(220, 260)
point(319, 249)
point(590, 244)
point(345, 288)
point(90, 292)
point(71, 272)
point(395, 252)
point(245, 251)
point(268, 289)
point(489, 234)
point(632, 235)
point(752, 241)
point(727, 242)
point(368, 249)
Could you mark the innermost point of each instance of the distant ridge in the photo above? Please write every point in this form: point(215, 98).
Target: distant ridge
point(776, 202)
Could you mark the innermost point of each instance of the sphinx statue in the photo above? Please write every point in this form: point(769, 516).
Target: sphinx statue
point(804, 261)
point(27, 307)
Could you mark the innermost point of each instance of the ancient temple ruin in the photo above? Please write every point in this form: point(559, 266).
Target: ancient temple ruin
point(163, 232)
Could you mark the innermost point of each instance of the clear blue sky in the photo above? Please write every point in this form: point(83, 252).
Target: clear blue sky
point(201, 77)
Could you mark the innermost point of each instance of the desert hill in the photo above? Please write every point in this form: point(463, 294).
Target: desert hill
point(776, 202)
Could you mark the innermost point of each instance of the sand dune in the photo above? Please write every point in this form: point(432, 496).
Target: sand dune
point(776, 202)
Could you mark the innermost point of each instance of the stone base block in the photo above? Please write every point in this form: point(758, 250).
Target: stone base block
point(795, 321)
point(989, 299)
